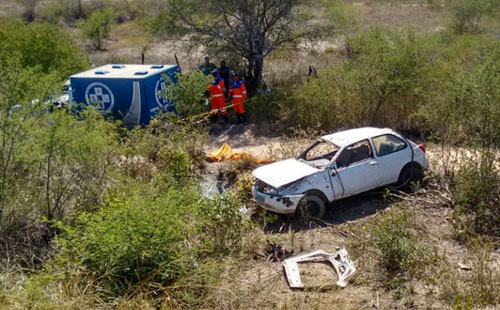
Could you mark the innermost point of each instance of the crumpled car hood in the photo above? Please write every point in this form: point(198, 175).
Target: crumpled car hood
point(283, 172)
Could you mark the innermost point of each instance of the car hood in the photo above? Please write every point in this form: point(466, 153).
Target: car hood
point(283, 172)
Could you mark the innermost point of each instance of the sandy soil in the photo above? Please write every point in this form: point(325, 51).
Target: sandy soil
point(418, 16)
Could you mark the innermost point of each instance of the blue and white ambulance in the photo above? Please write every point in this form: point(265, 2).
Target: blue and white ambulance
point(133, 93)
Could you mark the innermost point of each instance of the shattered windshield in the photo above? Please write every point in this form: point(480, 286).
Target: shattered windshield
point(319, 154)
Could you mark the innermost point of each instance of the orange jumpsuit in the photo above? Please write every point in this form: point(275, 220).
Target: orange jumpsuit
point(216, 89)
point(238, 92)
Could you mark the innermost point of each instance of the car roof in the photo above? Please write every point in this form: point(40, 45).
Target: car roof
point(348, 137)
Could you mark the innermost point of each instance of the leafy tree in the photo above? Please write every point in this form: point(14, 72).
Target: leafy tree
point(251, 29)
point(98, 26)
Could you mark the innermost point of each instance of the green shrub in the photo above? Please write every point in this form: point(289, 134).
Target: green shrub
point(188, 93)
point(70, 161)
point(467, 14)
point(45, 48)
point(69, 10)
point(379, 83)
point(98, 27)
point(54, 166)
point(173, 148)
point(49, 163)
point(463, 81)
point(264, 108)
point(485, 281)
point(145, 233)
point(52, 12)
point(478, 289)
point(477, 196)
point(396, 243)
point(155, 232)
point(222, 225)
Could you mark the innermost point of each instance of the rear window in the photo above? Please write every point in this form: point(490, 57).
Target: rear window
point(387, 144)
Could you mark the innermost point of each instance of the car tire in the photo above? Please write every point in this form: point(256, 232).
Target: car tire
point(311, 206)
point(411, 173)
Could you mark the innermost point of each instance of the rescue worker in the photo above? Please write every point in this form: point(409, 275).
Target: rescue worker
point(216, 90)
point(224, 72)
point(238, 94)
point(207, 67)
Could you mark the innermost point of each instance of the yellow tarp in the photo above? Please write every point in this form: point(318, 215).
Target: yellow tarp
point(226, 153)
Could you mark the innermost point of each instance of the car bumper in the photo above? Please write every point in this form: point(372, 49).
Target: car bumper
point(278, 204)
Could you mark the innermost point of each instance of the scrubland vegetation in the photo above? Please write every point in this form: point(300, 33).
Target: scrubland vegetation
point(97, 216)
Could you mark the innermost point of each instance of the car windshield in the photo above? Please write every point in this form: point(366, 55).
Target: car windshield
point(319, 154)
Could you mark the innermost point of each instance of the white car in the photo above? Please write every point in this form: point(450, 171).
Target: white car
point(336, 166)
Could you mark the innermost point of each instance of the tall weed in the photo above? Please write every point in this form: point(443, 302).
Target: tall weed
point(477, 195)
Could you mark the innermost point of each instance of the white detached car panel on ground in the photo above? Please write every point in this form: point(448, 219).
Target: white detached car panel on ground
point(336, 166)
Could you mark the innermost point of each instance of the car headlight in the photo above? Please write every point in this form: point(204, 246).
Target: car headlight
point(272, 191)
point(266, 188)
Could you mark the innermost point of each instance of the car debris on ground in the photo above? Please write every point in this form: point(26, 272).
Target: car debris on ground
point(464, 267)
point(340, 261)
point(276, 253)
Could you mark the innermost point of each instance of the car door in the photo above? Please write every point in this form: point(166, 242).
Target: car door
point(392, 154)
point(357, 169)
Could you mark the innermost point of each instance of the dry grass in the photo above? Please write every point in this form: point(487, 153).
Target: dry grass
point(9, 8)
point(128, 42)
point(417, 15)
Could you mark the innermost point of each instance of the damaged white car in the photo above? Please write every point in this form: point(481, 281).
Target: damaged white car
point(336, 166)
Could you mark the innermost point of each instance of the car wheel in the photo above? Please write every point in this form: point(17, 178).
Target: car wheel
point(410, 174)
point(311, 206)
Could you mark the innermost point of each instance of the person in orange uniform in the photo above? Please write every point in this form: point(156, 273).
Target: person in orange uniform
point(216, 90)
point(238, 93)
